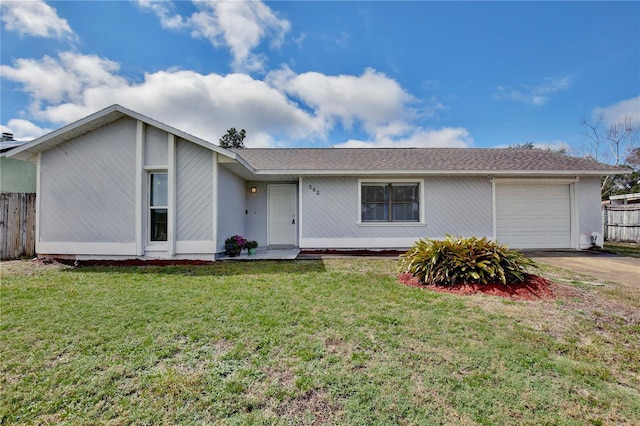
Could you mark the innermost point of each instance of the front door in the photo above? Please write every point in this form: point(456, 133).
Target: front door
point(282, 212)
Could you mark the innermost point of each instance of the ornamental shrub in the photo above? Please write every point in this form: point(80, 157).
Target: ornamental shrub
point(458, 260)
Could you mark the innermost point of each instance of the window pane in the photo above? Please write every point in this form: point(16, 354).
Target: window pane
point(372, 193)
point(158, 189)
point(375, 212)
point(158, 224)
point(405, 212)
point(404, 192)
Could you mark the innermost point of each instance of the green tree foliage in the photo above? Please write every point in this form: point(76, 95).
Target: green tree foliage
point(233, 138)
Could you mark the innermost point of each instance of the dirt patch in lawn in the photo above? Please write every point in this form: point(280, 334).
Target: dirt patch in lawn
point(533, 287)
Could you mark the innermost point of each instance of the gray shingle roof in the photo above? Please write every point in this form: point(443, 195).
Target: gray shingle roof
point(417, 159)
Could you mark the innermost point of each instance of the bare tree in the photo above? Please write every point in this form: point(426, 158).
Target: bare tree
point(610, 144)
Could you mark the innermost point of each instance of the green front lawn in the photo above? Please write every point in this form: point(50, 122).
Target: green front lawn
point(623, 249)
point(337, 341)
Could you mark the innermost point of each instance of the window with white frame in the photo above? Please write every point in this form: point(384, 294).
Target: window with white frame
point(158, 201)
point(389, 202)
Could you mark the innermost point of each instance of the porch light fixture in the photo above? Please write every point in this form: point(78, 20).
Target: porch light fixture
point(254, 189)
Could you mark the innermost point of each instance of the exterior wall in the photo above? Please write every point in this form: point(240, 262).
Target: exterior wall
point(329, 218)
point(589, 211)
point(17, 176)
point(194, 198)
point(87, 192)
point(256, 218)
point(231, 206)
point(155, 147)
point(93, 195)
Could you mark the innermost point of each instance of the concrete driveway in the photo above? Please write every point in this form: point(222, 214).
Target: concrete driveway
point(606, 267)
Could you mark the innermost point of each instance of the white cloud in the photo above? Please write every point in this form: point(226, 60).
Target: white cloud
point(446, 137)
point(34, 18)
point(617, 112)
point(534, 95)
point(556, 145)
point(371, 99)
point(69, 87)
point(239, 25)
point(66, 78)
point(24, 130)
point(164, 11)
point(284, 107)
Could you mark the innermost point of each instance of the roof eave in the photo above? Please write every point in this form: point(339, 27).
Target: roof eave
point(441, 172)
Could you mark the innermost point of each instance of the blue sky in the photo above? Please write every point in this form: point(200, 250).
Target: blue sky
point(318, 74)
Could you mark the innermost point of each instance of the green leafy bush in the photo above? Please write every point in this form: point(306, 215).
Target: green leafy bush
point(458, 260)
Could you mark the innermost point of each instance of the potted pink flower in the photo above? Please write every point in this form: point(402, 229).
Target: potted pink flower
point(233, 245)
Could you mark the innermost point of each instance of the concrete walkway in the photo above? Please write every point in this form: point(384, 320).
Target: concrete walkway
point(606, 267)
point(265, 254)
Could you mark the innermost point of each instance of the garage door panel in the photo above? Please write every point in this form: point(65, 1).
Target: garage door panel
point(533, 216)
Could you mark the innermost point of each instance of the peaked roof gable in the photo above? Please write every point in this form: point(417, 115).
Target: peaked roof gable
point(28, 151)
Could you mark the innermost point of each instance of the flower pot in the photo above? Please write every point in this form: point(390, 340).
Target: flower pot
point(231, 249)
point(252, 251)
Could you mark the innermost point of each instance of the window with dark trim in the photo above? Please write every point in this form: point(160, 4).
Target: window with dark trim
point(390, 202)
point(158, 196)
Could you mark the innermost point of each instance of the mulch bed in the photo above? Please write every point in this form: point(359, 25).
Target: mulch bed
point(533, 287)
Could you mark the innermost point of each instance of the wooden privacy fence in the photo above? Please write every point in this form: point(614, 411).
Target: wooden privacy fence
point(17, 225)
point(621, 222)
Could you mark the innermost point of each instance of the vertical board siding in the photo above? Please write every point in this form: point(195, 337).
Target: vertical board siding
point(17, 225)
point(88, 187)
point(453, 205)
point(194, 192)
point(622, 222)
point(155, 147)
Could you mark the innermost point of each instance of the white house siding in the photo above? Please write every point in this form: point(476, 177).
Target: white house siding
point(194, 192)
point(87, 190)
point(155, 147)
point(589, 210)
point(256, 218)
point(231, 205)
point(330, 211)
point(459, 206)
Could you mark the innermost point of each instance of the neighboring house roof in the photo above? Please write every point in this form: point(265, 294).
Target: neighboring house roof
point(9, 144)
point(345, 161)
point(28, 151)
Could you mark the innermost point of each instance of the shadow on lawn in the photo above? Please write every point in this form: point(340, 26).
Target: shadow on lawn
point(209, 268)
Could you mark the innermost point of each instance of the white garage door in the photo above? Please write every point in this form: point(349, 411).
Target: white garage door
point(533, 216)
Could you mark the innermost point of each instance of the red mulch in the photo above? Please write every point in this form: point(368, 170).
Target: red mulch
point(532, 288)
point(129, 262)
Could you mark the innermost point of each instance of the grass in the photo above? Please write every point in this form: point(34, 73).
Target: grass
point(623, 249)
point(337, 341)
